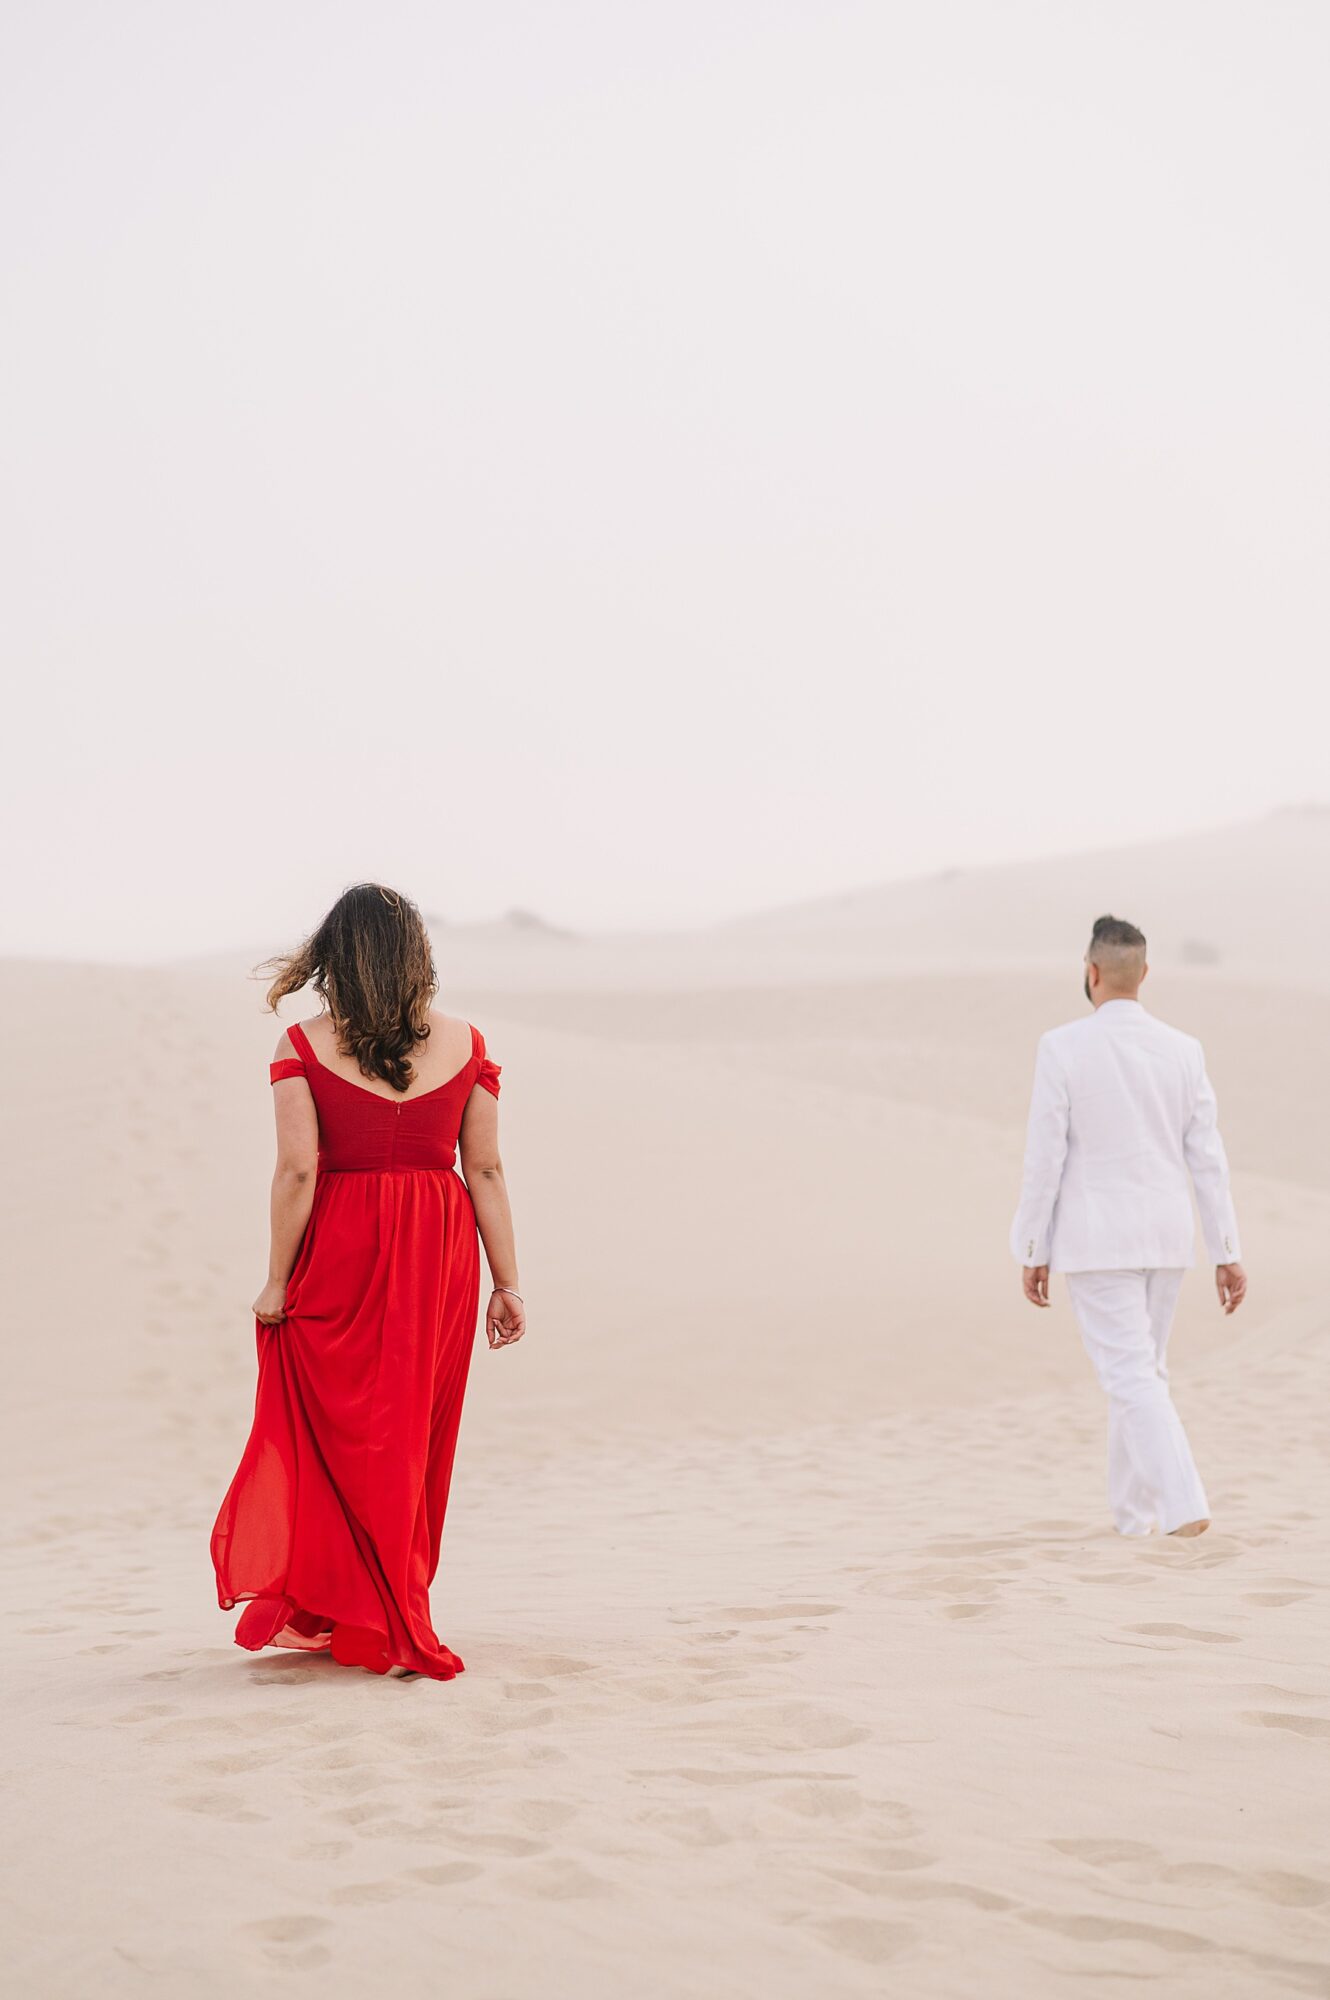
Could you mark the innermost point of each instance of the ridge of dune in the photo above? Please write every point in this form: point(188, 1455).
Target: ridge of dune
point(1239, 895)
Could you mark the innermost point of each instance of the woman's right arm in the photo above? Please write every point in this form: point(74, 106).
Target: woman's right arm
point(292, 1195)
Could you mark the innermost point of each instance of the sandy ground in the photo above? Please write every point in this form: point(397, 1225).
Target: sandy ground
point(801, 1658)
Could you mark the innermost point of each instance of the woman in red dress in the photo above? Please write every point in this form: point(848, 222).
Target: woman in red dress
point(365, 1326)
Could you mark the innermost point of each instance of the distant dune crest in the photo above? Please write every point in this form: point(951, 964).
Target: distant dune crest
point(1242, 896)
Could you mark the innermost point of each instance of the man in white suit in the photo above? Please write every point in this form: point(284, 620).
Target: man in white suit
point(1122, 1113)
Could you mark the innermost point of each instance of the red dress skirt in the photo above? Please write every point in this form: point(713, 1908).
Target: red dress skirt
point(331, 1526)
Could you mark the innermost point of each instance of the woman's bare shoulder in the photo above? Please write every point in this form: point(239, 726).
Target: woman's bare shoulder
point(441, 1023)
point(449, 1038)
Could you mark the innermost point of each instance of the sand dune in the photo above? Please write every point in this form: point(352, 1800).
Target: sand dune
point(801, 1660)
point(1240, 897)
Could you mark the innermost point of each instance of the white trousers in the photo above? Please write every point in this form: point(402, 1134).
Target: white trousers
point(1125, 1319)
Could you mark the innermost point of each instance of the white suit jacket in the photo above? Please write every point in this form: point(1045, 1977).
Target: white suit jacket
point(1122, 1113)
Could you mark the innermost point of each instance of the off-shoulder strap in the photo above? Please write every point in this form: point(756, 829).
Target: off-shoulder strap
point(487, 1076)
point(301, 1043)
point(292, 1065)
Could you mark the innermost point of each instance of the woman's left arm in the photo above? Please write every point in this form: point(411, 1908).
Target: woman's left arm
point(292, 1186)
point(482, 1169)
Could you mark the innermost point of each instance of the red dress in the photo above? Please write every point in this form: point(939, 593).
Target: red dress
point(332, 1523)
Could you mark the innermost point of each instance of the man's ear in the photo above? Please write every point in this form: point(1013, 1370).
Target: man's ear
point(1144, 970)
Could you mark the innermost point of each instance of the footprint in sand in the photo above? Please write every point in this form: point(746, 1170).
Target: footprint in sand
point(1299, 1725)
point(1271, 1885)
point(870, 1940)
point(549, 1665)
point(691, 1826)
point(753, 1612)
point(233, 1765)
point(1298, 1892)
point(1105, 1853)
point(515, 1845)
point(1187, 1632)
point(790, 1725)
point(1133, 1860)
point(360, 1816)
point(544, 1815)
point(558, 1878)
point(290, 1941)
point(823, 1801)
point(441, 1874)
point(360, 1895)
point(956, 1546)
point(1110, 1930)
point(878, 1861)
point(907, 1889)
point(345, 1781)
point(220, 1805)
point(704, 1775)
point(934, 1580)
point(505, 1724)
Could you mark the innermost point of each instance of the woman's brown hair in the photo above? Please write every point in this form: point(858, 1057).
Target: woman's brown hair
point(370, 963)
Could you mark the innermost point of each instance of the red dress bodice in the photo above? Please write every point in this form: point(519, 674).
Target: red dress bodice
point(363, 1133)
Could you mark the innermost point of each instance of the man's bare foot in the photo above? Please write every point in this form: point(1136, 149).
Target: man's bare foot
point(1192, 1528)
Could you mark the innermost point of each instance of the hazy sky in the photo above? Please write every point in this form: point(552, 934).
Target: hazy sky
point(641, 461)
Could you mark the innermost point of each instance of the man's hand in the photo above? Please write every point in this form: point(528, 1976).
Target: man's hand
point(1231, 1285)
point(1034, 1283)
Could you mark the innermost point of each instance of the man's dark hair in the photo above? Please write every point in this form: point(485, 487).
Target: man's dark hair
point(1118, 949)
point(1116, 934)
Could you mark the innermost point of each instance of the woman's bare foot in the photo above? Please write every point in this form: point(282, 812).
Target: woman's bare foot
point(1192, 1528)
